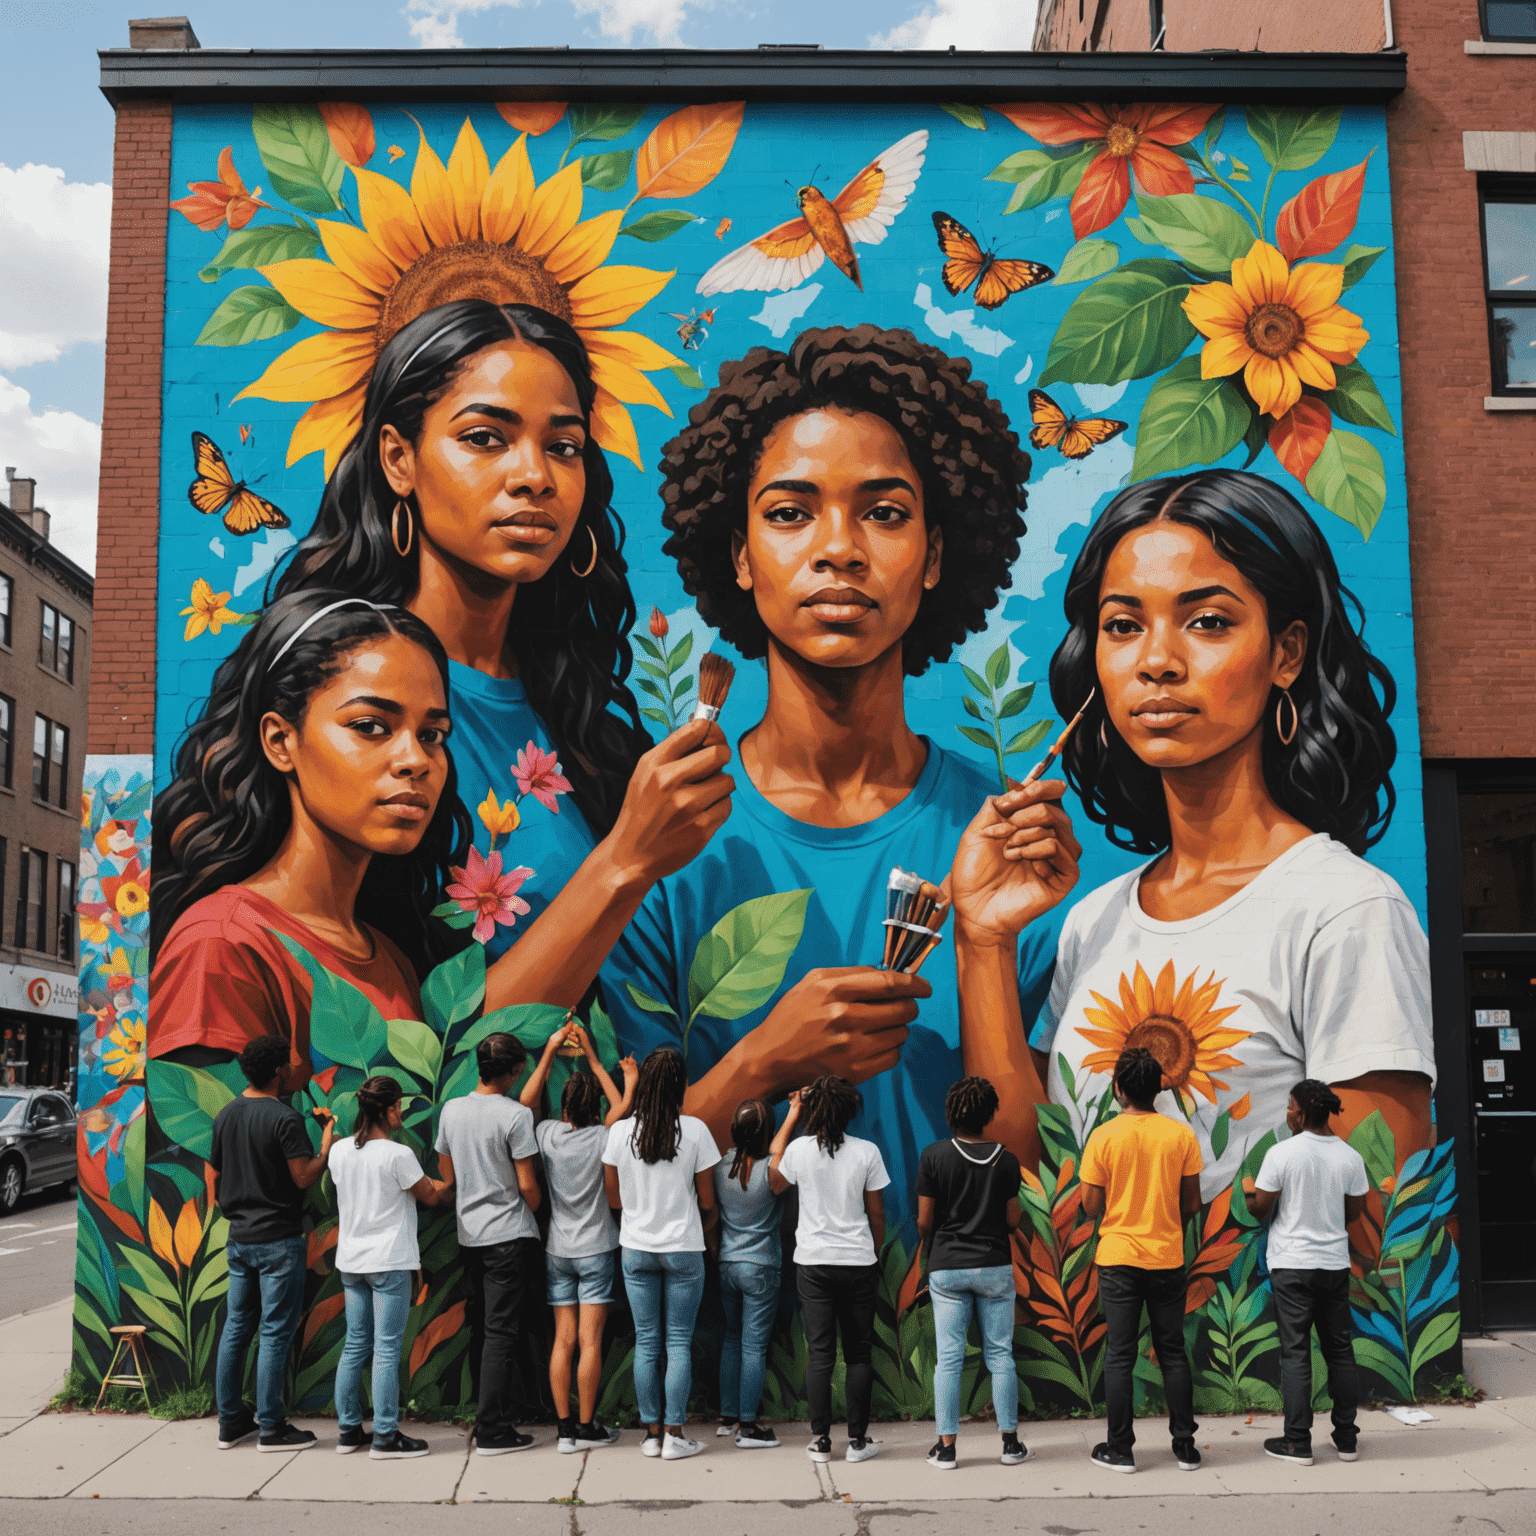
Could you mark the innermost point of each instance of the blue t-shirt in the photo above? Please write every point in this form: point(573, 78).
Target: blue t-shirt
point(761, 850)
point(749, 1218)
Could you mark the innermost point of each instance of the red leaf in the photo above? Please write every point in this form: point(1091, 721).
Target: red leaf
point(444, 1326)
point(1101, 195)
point(351, 130)
point(1321, 214)
point(1299, 435)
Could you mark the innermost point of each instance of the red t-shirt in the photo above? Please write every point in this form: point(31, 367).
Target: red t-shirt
point(223, 978)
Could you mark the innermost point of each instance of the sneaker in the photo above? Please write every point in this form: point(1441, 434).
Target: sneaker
point(285, 1438)
point(502, 1444)
point(1112, 1461)
point(1015, 1452)
point(678, 1447)
point(565, 1437)
point(593, 1436)
point(353, 1438)
point(1187, 1454)
point(862, 1449)
point(725, 1427)
point(233, 1432)
point(820, 1449)
point(1347, 1446)
point(756, 1437)
point(1283, 1450)
point(942, 1456)
point(651, 1445)
point(398, 1447)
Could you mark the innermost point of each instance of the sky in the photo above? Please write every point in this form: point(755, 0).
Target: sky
point(56, 157)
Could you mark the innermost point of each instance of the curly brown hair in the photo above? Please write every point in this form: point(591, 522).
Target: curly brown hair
point(972, 466)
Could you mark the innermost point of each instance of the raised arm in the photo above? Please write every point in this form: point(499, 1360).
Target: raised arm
point(780, 1144)
point(532, 1096)
point(307, 1170)
point(619, 1107)
point(600, 1072)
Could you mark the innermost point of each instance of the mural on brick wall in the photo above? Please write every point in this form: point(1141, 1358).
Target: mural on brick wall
point(945, 426)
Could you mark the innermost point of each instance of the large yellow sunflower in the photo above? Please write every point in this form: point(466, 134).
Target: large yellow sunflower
point(1282, 326)
point(463, 231)
point(1178, 1024)
point(125, 1053)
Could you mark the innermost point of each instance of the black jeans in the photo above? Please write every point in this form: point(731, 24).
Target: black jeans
point(1304, 1297)
point(501, 1278)
point(1123, 1291)
point(839, 1298)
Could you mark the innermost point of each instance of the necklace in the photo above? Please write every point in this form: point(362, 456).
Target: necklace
point(981, 1162)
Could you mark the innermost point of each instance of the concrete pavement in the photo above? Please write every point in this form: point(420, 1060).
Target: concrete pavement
point(37, 1251)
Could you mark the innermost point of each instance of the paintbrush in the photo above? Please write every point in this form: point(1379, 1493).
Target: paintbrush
point(914, 911)
point(716, 675)
point(1060, 742)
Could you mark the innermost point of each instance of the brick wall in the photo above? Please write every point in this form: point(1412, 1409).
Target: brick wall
point(123, 671)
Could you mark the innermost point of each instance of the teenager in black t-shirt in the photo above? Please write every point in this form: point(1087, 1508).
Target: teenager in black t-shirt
point(967, 1205)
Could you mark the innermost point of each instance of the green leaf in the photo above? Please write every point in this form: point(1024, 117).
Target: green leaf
point(1141, 231)
point(607, 173)
point(1292, 138)
point(1039, 176)
point(532, 1023)
point(977, 681)
point(1386, 1364)
point(261, 247)
point(602, 121)
point(1207, 234)
point(646, 1001)
point(972, 708)
point(740, 963)
point(1126, 325)
point(1377, 1146)
point(1254, 439)
point(685, 375)
point(656, 717)
point(1355, 398)
point(1088, 258)
point(661, 225)
point(1030, 736)
point(1349, 479)
point(1438, 1335)
point(297, 152)
point(133, 1163)
point(1358, 260)
point(1188, 420)
point(1240, 172)
point(185, 1100)
point(416, 1047)
point(980, 738)
point(248, 314)
point(999, 665)
point(1016, 702)
point(680, 652)
point(963, 112)
point(1213, 130)
point(454, 989)
point(1219, 1133)
point(343, 1024)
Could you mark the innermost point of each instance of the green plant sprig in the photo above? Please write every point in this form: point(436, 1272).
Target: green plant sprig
point(991, 706)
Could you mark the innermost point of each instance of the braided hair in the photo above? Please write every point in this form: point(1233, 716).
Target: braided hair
point(1316, 1101)
point(581, 1100)
point(829, 1104)
point(659, 1105)
point(375, 1099)
point(751, 1133)
point(1139, 1076)
point(969, 1105)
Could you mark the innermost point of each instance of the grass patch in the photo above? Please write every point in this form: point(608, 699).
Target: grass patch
point(79, 1396)
point(1453, 1391)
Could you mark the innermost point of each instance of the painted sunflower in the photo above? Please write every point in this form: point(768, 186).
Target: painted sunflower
point(463, 231)
point(125, 1054)
point(1180, 1025)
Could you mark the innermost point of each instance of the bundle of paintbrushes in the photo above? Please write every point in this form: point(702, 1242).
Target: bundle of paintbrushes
point(915, 910)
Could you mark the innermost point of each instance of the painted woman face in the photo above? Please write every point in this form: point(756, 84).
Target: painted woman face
point(370, 758)
point(836, 553)
point(1184, 655)
point(498, 473)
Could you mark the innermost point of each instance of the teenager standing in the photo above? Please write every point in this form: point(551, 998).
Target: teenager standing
point(1309, 1189)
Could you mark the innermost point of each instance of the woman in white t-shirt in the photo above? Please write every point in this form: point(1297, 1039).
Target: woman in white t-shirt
point(378, 1182)
point(657, 1169)
point(837, 1248)
point(1237, 731)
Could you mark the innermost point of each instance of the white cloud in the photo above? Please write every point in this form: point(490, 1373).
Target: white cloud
point(995, 24)
point(62, 452)
point(435, 23)
point(962, 323)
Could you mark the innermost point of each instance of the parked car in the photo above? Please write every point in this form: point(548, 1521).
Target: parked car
point(37, 1142)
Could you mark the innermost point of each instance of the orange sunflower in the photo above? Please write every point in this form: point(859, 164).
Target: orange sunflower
point(1180, 1025)
point(462, 231)
point(1282, 325)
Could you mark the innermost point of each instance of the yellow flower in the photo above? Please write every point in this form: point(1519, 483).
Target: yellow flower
point(188, 1233)
point(462, 231)
point(1178, 1024)
point(125, 1056)
point(162, 1240)
point(207, 610)
point(500, 820)
point(132, 898)
point(1282, 327)
point(93, 930)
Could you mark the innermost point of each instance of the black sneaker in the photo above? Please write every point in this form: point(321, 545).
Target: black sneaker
point(353, 1438)
point(593, 1436)
point(285, 1437)
point(503, 1444)
point(397, 1447)
point(1284, 1450)
point(861, 1448)
point(1187, 1454)
point(1348, 1449)
point(237, 1431)
point(1015, 1452)
point(756, 1437)
point(1112, 1461)
point(820, 1449)
point(565, 1437)
point(942, 1457)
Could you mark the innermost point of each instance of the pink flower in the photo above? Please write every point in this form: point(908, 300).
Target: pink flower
point(538, 774)
point(482, 887)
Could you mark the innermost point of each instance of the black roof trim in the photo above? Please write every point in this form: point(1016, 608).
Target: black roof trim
point(675, 74)
point(17, 534)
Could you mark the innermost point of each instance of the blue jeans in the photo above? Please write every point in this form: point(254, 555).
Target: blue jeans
point(990, 1291)
point(377, 1307)
point(664, 1291)
point(266, 1285)
point(749, 1293)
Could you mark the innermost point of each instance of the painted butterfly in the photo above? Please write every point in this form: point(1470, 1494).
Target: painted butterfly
point(996, 277)
point(1055, 429)
point(216, 490)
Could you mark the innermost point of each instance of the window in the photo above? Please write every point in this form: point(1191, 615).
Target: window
point(1509, 267)
point(7, 739)
point(64, 919)
point(50, 762)
point(1508, 21)
point(7, 591)
point(56, 643)
point(31, 903)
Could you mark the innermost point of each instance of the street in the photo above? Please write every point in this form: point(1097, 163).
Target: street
point(37, 1252)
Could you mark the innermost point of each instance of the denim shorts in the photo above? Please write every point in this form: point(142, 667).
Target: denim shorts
point(588, 1280)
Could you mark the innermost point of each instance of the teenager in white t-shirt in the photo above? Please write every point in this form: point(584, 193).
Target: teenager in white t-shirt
point(378, 1182)
point(1309, 1189)
point(657, 1170)
point(1236, 728)
point(837, 1247)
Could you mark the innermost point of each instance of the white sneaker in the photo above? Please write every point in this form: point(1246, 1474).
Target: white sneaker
point(861, 1450)
point(651, 1445)
point(679, 1447)
point(725, 1427)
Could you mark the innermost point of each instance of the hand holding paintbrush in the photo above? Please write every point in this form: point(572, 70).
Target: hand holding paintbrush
point(716, 675)
point(1030, 820)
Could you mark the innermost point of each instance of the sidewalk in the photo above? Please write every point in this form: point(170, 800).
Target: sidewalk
point(1468, 1451)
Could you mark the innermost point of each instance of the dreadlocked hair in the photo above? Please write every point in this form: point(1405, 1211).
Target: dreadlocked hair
point(1139, 1076)
point(830, 1103)
point(751, 1133)
point(969, 1105)
point(581, 1100)
point(1316, 1101)
point(375, 1099)
point(659, 1105)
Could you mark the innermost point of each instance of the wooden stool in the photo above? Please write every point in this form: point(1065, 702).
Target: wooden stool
point(130, 1337)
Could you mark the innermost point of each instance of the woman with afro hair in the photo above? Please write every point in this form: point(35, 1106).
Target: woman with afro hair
point(847, 510)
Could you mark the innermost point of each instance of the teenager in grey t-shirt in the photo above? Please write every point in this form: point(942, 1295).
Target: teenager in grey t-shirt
point(485, 1134)
point(580, 1223)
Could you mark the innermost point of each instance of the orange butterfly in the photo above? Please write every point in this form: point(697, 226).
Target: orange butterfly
point(996, 278)
point(217, 490)
point(1055, 429)
point(862, 212)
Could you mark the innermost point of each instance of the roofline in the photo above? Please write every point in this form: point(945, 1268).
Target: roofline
point(187, 76)
point(20, 535)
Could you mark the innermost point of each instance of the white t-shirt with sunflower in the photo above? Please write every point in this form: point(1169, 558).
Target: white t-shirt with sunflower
point(1317, 968)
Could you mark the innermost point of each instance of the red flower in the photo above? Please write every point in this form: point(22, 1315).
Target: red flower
point(658, 624)
point(538, 774)
point(216, 202)
point(481, 887)
point(1134, 138)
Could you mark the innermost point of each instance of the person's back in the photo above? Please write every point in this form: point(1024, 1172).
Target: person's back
point(1140, 1159)
point(1312, 1173)
point(580, 1222)
point(485, 1134)
point(749, 1216)
point(253, 1139)
point(833, 1225)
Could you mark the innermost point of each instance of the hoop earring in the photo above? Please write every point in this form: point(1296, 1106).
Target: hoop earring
point(402, 545)
point(592, 563)
point(1285, 698)
point(1102, 742)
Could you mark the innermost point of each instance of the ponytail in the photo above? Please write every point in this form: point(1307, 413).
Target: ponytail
point(375, 1099)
